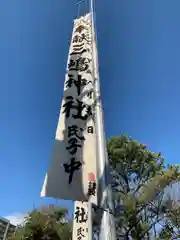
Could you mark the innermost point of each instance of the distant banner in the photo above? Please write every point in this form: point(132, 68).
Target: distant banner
point(80, 221)
point(72, 173)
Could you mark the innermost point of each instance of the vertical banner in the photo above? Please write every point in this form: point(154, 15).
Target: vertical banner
point(72, 173)
point(80, 221)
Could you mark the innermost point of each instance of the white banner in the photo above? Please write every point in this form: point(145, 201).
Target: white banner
point(80, 221)
point(72, 173)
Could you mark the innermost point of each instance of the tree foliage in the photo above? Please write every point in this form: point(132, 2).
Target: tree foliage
point(171, 227)
point(140, 186)
point(46, 224)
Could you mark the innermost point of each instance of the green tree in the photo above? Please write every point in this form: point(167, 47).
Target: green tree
point(45, 223)
point(171, 228)
point(140, 185)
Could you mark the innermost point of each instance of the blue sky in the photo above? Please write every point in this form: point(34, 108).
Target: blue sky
point(139, 54)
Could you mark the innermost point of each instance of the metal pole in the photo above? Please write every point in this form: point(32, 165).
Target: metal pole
point(107, 228)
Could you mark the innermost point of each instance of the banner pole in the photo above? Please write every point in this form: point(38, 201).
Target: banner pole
point(107, 227)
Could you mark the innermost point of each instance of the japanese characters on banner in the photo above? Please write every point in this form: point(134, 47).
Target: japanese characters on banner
point(80, 221)
point(72, 174)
